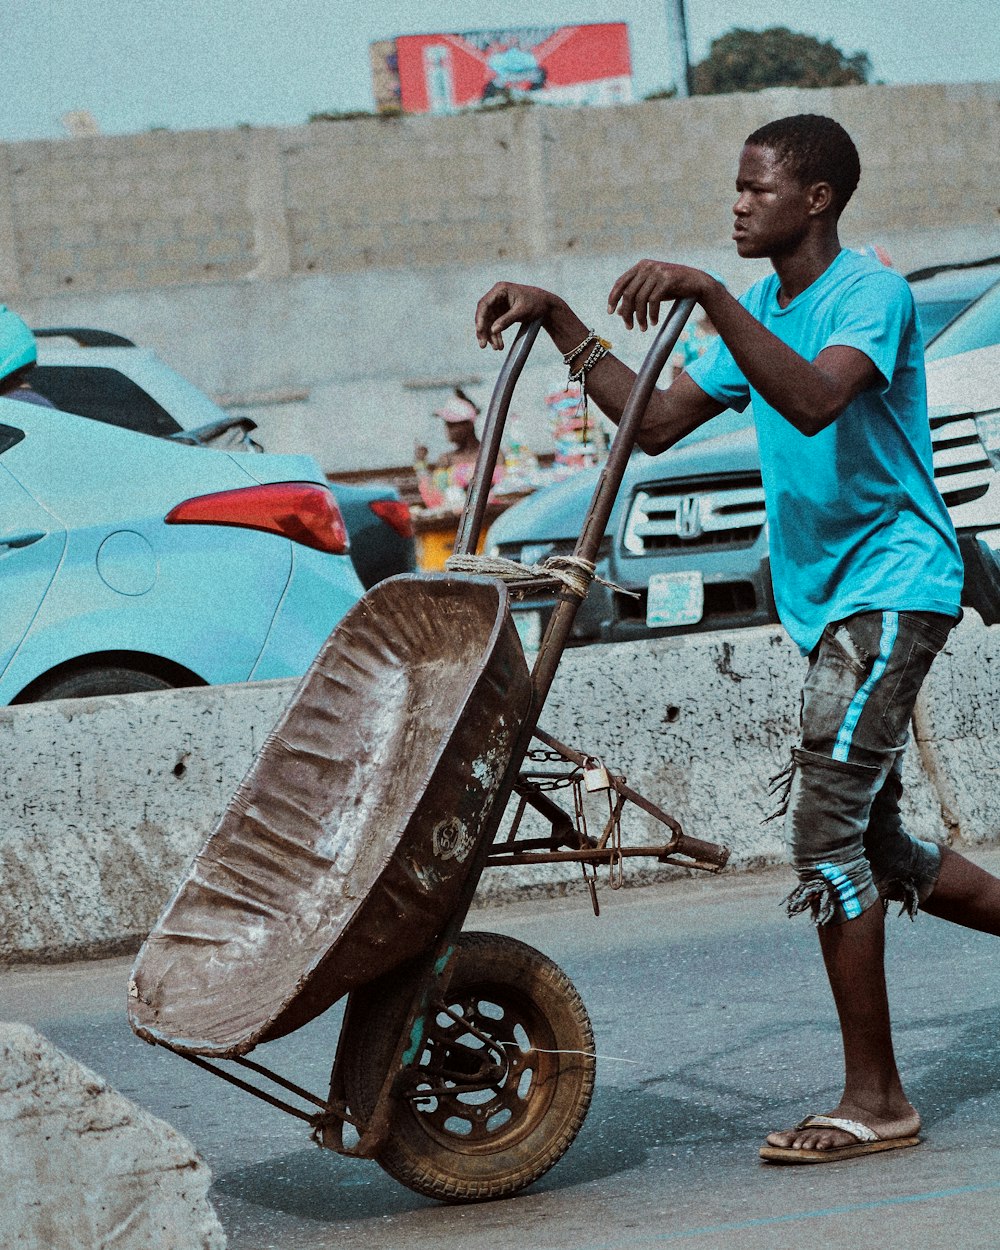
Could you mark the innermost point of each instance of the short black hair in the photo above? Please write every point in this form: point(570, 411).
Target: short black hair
point(814, 149)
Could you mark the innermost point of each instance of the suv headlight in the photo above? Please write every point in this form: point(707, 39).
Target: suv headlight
point(988, 429)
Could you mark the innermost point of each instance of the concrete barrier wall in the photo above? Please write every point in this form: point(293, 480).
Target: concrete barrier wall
point(958, 732)
point(83, 1167)
point(105, 801)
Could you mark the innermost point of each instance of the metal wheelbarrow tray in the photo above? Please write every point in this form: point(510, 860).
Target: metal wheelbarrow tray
point(346, 846)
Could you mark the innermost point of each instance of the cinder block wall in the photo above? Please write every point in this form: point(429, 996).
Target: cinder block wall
point(344, 258)
point(209, 206)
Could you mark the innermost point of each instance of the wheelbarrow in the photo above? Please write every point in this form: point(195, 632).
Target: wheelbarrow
point(348, 858)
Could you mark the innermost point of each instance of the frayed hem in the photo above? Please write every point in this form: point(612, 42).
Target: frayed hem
point(904, 893)
point(815, 897)
point(780, 789)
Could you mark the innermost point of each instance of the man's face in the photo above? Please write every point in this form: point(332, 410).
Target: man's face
point(460, 432)
point(772, 207)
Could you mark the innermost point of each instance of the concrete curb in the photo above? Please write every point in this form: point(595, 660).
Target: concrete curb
point(84, 1167)
point(105, 801)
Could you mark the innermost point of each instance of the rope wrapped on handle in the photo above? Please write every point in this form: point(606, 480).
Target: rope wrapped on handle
point(571, 572)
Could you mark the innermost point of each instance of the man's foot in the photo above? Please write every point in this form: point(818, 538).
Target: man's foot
point(816, 1140)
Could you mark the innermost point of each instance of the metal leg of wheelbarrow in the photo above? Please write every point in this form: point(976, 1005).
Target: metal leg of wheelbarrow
point(431, 985)
point(428, 977)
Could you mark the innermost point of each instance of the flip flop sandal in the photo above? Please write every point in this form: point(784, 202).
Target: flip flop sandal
point(867, 1142)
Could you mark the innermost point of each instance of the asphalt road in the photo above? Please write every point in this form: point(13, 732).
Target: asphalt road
point(714, 1025)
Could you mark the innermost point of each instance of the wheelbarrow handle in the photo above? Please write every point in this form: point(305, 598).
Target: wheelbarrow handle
point(609, 483)
point(474, 512)
point(629, 424)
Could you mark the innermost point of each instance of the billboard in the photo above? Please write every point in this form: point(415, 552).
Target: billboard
point(558, 64)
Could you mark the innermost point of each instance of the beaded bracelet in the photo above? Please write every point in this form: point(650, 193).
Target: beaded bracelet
point(569, 357)
point(598, 352)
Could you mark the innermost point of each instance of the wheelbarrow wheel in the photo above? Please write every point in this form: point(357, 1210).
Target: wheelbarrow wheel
point(505, 1075)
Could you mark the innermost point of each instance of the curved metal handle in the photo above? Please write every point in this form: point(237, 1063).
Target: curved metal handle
point(606, 492)
point(629, 425)
point(474, 512)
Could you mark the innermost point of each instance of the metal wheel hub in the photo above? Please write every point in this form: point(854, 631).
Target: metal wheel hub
point(483, 1076)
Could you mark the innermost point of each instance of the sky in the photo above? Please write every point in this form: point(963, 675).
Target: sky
point(136, 65)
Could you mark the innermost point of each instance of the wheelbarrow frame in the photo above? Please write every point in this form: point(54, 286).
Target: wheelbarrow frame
point(431, 971)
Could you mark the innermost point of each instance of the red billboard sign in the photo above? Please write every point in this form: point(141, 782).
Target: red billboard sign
point(558, 64)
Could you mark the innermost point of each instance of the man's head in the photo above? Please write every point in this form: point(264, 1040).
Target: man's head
point(17, 350)
point(813, 149)
point(795, 176)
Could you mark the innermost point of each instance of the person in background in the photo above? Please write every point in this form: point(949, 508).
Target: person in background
point(459, 416)
point(449, 477)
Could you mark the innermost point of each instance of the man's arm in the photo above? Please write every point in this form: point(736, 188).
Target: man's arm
point(809, 394)
point(670, 415)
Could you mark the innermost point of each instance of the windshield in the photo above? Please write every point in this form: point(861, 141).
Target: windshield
point(978, 326)
point(934, 316)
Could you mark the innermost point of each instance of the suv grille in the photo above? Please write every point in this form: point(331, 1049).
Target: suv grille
point(962, 469)
point(664, 518)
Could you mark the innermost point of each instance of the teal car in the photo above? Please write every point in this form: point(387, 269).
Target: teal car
point(132, 561)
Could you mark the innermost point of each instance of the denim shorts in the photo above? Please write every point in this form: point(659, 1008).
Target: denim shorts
point(843, 826)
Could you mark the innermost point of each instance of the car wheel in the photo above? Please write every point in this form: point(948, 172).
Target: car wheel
point(101, 679)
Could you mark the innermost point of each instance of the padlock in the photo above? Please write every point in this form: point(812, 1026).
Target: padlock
point(595, 776)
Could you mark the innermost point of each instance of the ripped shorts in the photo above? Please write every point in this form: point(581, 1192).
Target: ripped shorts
point(843, 826)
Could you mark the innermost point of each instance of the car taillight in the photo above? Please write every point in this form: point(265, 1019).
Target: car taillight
point(395, 513)
point(305, 512)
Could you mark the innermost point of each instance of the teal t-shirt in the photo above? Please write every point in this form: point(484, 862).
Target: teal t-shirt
point(856, 522)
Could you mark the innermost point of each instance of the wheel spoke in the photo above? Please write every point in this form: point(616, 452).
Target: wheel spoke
point(462, 1035)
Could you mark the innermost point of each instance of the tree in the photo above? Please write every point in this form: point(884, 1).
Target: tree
point(750, 60)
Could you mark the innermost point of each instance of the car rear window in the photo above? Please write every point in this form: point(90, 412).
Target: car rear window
point(103, 394)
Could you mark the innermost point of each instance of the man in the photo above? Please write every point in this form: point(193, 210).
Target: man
point(450, 476)
point(864, 559)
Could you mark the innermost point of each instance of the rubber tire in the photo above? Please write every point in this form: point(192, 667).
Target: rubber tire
point(100, 680)
point(416, 1154)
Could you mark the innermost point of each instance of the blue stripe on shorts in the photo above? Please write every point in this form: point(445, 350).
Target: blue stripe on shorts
point(846, 892)
point(845, 735)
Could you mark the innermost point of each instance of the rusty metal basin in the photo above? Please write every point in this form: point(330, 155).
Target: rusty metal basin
point(345, 847)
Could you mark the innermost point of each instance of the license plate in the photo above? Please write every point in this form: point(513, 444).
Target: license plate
point(675, 599)
point(529, 629)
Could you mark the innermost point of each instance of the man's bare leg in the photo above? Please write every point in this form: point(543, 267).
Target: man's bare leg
point(873, 1093)
point(853, 952)
point(965, 894)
